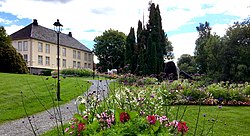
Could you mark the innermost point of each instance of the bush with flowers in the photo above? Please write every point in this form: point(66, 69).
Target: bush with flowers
point(128, 110)
point(146, 110)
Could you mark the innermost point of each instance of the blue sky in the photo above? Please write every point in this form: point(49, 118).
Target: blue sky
point(88, 19)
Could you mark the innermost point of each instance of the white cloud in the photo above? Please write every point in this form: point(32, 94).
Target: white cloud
point(13, 28)
point(183, 43)
point(78, 16)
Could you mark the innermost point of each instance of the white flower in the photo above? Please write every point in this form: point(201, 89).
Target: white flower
point(80, 99)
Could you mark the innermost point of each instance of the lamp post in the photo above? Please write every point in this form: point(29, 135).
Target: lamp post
point(57, 27)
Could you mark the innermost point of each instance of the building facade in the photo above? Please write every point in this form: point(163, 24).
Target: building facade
point(38, 45)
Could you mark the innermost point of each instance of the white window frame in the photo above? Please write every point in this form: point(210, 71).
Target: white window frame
point(25, 57)
point(78, 55)
point(47, 48)
point(40, 47)
point(47, 60)
point(40, 60)
point(19, 46)
point(74, 64)
point(64, 62)
point(89, 59)
point(25, 45)
point(85, 56)
point(78, 64)
point(64, 52)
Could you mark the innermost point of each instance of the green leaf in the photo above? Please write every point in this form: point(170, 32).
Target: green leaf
point(78, 117)
point(117, 115)
point(133, 114)
point(156, 126)
point(81, 107)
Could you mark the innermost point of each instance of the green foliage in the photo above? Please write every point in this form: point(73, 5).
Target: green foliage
point(77, 72)
point(47, 72)
point(224, 58)
point(110, 48)
point(10, 60)
point(187, 63)
point(217, 91)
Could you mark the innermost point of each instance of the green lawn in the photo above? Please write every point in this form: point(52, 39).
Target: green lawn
point(231, 120)
point(12, 84)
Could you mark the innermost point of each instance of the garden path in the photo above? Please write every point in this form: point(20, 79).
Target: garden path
point(44, 121)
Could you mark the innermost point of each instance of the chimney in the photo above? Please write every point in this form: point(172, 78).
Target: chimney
point(70, 34)
point(35, 22)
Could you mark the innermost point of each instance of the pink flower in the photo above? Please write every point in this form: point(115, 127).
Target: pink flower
point(182, 127)
point(173, 123)
point(66, 130)
point(124, 117)
point(81, 127)
point(163, 118)
point(151, 119)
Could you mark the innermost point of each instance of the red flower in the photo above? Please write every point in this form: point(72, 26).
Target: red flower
point(151, 119)
point(182, 127)
point(81, 127)
point(124, 117)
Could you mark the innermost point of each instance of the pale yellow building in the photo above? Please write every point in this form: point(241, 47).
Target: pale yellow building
point(38, 45)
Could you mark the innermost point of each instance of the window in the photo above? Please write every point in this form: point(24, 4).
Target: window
point(47, 61)
point(89, 65)
point(64, 63)
point(85, 56)
point(78, 64)
point(85, 65)
point(64, 52)
point(19, 48)
point(57, 62)
point(40, 59)
point(40, 47)
point(74, 64)
point(47, 48)
point(25, 57)
point(90, 57)
point(74, 54)
point(25, 46)
point(78, 55)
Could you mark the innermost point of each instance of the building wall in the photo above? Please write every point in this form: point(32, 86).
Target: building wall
point(35, 56)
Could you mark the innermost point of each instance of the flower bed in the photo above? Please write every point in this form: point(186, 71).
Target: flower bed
point(146, 109)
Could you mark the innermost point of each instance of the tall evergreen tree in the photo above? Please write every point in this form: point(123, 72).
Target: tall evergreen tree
point(131, 51)
point(152, 56)
point(152, 45)
point(142, 36)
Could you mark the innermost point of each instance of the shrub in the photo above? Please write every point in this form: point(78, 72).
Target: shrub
point(47, 72)
point(10, 60)
point(77, 72)
point(218, 91)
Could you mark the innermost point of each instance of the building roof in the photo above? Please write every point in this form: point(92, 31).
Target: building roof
point(35, 31)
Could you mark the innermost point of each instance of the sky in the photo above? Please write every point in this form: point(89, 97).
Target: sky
point(87, 19)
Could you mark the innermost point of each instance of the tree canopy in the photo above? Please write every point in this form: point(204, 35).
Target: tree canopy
point(110, 48)
point(227, 57)
point(10, 60)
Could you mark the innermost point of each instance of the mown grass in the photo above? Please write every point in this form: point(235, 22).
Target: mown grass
point(228, 121)
point(34, 87)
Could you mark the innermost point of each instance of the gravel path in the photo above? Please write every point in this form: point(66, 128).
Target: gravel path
point(45, 121)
